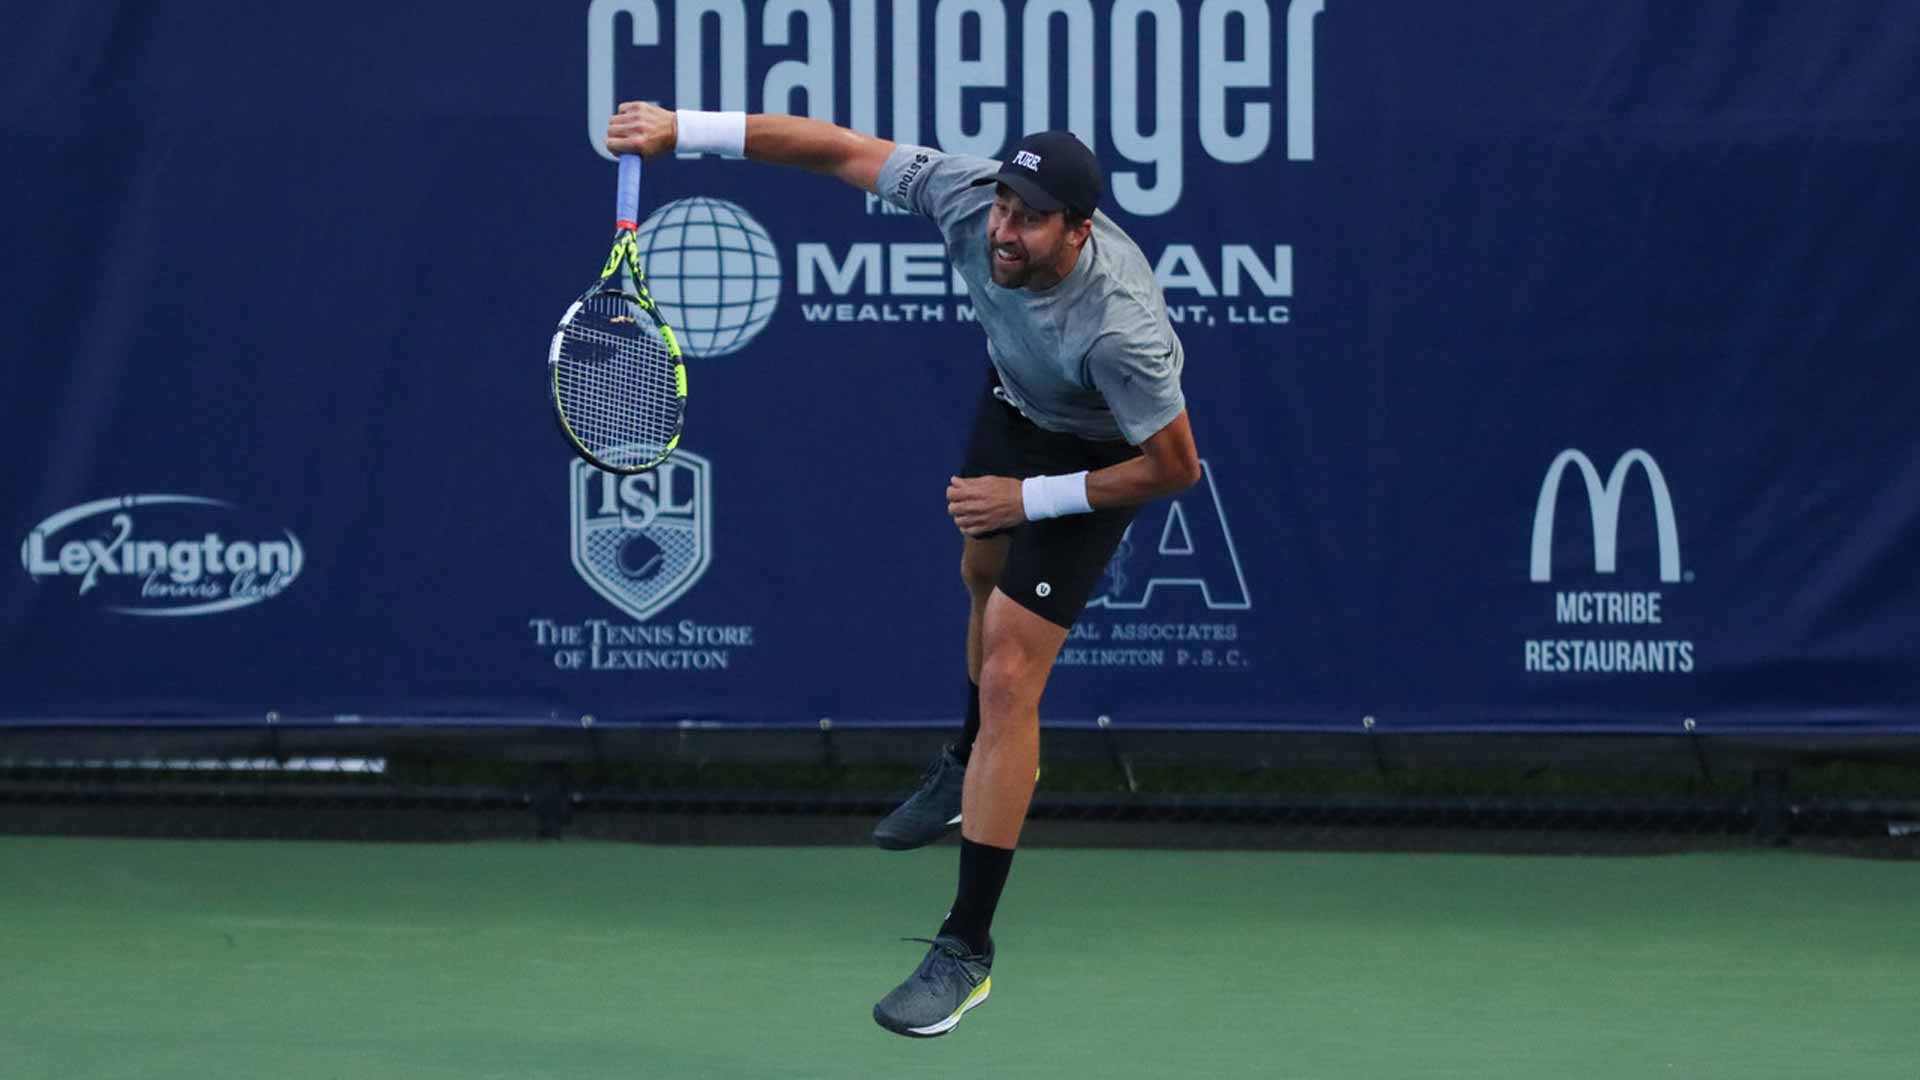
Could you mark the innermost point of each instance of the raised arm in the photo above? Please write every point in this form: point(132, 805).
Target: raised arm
point(638, 127)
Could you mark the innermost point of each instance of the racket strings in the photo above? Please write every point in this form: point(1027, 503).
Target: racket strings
point(615, 384)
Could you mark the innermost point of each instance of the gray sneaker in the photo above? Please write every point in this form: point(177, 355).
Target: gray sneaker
point(931, 812)
point(950, 981)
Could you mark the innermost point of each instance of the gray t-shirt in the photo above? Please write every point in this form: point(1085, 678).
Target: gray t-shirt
point(1093, 356)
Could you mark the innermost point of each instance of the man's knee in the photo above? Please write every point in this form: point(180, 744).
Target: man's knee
point(1011, 680)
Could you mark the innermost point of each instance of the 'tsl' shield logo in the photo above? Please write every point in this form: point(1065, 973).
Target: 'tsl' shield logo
point(642, 541)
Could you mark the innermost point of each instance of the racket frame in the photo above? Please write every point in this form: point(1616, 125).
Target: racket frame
point(621, 276)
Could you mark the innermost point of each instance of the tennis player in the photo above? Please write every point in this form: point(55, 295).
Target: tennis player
point(1081, 420)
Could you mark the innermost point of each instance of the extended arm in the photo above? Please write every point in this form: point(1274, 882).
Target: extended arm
point(815, 145)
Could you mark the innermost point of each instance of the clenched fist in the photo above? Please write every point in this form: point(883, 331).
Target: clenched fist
point(984, 505)
point(638, 127)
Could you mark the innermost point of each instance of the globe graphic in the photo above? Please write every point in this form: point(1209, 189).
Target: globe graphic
point(714, 272)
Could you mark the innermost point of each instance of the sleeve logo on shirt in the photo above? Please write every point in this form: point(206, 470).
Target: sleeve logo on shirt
point(907, 175)
point(1027, 159)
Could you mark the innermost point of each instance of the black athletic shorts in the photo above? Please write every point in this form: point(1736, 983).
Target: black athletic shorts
point(1052, 565)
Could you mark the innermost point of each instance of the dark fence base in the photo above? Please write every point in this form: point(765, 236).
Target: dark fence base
point(1101, 787)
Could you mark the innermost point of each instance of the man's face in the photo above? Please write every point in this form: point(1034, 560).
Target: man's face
point(1026, 246)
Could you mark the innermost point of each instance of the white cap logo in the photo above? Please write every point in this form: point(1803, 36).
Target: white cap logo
point(1027, 159)
point(1043, 589)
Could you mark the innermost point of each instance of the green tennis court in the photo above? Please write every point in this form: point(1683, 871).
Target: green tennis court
point(240, 959)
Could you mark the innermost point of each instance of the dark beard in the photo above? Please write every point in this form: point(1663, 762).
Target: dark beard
point(1017, 279)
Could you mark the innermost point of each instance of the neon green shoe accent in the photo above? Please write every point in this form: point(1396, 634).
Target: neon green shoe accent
point(979, 995)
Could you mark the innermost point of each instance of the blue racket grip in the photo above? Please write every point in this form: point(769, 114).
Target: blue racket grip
point(628, 212)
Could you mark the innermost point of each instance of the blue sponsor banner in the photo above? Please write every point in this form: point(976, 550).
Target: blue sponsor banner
point(1553, 366)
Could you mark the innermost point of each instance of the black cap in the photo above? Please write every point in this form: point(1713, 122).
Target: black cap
point(1052, 171)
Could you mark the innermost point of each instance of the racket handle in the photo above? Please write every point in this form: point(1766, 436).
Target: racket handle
point(628, 212)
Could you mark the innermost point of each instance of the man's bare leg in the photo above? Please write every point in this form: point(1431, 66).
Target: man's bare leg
point(981, 561)
point(1018, 648)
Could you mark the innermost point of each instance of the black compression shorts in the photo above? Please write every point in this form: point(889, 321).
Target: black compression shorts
point(1052, 565)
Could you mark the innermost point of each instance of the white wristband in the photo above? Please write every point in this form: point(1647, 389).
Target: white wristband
point(1051, 496)
point(723, 133)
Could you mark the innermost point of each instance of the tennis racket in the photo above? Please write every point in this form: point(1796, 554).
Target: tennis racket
point(619, 386)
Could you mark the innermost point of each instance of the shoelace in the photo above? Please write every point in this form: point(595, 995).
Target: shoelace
point(933, 770)
point(948, 949)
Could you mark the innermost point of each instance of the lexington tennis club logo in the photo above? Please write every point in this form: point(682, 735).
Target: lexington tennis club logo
point(163, 555)
point(1171, 594)
point(641, 542)
point(1602, 603)
point(1238, 79)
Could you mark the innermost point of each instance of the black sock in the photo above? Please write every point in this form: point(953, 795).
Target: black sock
point(983, 873)
point(963, 750)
